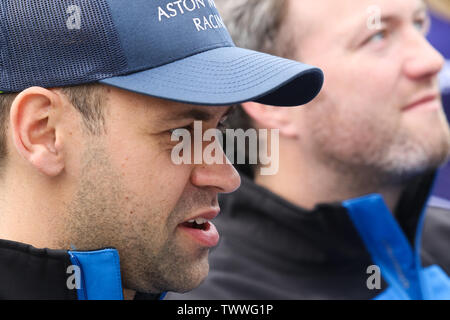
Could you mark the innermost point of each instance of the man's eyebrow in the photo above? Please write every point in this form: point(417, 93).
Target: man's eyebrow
point(392, 18)
point(389, 19)
point(196, 114)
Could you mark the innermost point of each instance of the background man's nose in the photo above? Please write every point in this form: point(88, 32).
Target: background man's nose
point(423, 60)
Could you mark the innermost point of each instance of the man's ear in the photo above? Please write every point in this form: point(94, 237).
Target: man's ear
point(271, 117)
point(32, 121)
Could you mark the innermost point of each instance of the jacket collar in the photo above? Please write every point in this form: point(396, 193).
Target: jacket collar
point(30, 273)
point(328, 230)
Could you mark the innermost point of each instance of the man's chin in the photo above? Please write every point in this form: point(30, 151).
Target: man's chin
point(193, 279)
point(185, 279)
point(408, 167)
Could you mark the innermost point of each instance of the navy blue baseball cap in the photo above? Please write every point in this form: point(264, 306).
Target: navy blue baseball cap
point(176, 50)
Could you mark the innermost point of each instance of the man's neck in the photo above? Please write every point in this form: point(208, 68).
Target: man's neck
point(34, 212)
point(308, 182)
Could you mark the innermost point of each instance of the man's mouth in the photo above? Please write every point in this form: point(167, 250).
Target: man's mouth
point(200, 223)
point(201, 229)
point(429, 101)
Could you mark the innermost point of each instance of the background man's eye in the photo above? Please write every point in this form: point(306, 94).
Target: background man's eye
point(420, 24)
point(379, 36)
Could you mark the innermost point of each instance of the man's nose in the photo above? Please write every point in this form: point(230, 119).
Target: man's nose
point(223, 177)
point(423, 61)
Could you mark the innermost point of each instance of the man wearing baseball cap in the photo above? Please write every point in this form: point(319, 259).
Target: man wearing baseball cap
point(91, 92)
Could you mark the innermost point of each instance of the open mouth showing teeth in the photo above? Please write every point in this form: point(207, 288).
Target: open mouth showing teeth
point(199, 223)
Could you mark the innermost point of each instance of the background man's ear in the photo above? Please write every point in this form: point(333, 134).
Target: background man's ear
point(32, 124)
point(272, 118)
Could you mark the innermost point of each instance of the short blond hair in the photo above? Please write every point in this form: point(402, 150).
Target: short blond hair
point(255, 24)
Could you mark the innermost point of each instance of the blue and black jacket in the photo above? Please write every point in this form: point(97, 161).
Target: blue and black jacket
point(272, 249)
point(30, 273)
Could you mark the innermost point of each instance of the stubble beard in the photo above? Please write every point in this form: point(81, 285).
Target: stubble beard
point(371, 156)
point(98, 217)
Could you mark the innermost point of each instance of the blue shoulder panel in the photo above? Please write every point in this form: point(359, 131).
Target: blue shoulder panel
point(100, 274)
point(438, 283)
point(387, 245)
point(437, 286)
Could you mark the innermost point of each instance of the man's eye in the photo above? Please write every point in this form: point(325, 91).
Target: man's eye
point(421, 25)
point(180, 129)
point(223, 125)
point(379, 36)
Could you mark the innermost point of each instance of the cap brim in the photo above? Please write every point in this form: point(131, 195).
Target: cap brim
point(227, 76)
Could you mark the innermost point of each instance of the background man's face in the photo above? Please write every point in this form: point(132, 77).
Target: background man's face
point(371, 76)
point(131, 196)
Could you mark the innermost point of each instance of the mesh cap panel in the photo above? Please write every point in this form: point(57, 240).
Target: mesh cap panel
point(37, 47)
